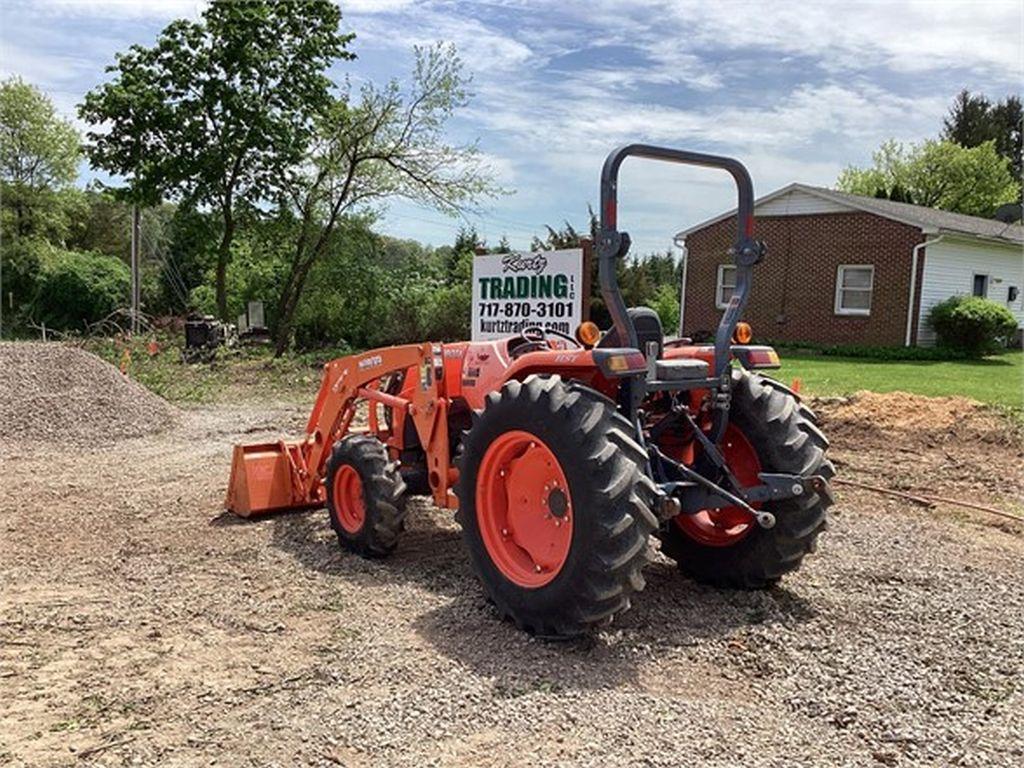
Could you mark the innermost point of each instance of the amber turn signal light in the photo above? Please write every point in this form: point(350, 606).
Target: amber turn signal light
point(743, 333)
point(588, 334)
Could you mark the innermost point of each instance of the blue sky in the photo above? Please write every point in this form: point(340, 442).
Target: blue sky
point(795, 90)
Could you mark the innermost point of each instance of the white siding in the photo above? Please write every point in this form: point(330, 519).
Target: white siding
point(949, 270)
point(798, 202)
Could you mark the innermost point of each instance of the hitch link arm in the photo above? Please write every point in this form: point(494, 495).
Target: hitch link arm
point(697, 492)
point(688, 494)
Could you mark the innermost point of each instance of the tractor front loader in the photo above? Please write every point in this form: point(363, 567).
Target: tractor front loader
point(563, 455)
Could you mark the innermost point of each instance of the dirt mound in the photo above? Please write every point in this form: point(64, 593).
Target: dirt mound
point(913, 418)
point(58, 392)
point(945, 446)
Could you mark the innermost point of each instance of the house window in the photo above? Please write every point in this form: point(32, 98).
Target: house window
point(726, 285)
point(981, 285)
point(854, 284)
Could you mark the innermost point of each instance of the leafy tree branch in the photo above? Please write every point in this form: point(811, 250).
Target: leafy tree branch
point(390, 144)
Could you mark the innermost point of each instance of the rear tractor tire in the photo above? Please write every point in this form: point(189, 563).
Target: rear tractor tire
point(365, 496)
point(769, 431)
point(555, 506)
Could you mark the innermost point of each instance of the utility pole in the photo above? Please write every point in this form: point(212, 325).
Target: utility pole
point(136, 277)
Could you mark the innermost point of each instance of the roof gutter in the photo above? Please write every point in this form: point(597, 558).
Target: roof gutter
point(913, 285)
point(680, 242)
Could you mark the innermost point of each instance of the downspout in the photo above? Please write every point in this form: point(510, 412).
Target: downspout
point(680, 243)
point(913, 285)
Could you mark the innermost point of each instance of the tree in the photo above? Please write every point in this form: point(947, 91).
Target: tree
point(570, 237)
point(39, 153)
point(75, 289)
point(389, 144)
point(974, 120)
point(217, 111)
point(937, 174)
point(467, 240)
point(557, 239)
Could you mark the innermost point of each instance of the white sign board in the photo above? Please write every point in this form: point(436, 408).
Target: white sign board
point(512, 291)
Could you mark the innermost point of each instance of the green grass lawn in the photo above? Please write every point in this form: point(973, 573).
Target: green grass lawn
point(997, 380)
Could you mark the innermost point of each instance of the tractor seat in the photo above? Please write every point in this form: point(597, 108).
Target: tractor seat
point(648, 331)
point(681, 369)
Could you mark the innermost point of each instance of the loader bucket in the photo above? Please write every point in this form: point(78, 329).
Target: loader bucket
point(267, 477)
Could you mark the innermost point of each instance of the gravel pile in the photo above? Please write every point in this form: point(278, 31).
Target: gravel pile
point(57, 392)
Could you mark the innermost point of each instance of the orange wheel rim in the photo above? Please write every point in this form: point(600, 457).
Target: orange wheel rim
point(725, 526)
point(524, 509)
point(349, 505)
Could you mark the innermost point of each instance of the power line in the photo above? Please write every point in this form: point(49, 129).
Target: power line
point(476, 222)
point(166, 259)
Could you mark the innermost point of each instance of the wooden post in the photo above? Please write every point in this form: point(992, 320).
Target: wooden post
point(136, 277)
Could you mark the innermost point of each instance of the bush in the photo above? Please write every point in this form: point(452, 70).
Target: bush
point(75, 289)
point(23, 261)
point(972, 325)
point(666, 303)
point(448, 314)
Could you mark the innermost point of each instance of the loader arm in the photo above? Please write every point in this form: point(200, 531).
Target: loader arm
point(268, 477)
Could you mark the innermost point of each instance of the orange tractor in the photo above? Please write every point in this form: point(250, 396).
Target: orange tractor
point(564, 454)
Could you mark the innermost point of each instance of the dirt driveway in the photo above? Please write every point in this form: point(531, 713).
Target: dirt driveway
point(139, 625)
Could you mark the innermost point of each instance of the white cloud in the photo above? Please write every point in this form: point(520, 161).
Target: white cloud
point(485, 49)
point(797, 90)
point(53, 69)
point(375, 6)
point(915, 36)
point(121, 9)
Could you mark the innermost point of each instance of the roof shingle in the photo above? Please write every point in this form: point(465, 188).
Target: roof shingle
point(928, 219)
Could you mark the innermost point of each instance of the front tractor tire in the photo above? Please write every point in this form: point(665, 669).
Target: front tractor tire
point(365, 496)
point(554, 506)
point(769, 431)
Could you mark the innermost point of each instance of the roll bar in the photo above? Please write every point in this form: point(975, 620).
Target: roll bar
point(612, 244)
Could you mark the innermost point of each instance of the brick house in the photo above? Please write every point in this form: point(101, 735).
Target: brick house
point(839, 268)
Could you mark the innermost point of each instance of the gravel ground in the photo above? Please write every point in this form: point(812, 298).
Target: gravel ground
point(139, 625)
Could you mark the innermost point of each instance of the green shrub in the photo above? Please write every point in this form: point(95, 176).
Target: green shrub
point(971, 324)
point(448, 314)
point(666, 303)
point(75, 289)
point(23, 261)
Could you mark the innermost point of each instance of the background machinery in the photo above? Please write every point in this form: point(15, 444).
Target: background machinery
point(563, 455)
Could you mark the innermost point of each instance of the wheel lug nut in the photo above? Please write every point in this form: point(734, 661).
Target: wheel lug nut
point(504, 532)
point(537, 568)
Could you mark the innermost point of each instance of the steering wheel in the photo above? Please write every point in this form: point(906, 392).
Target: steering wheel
point(535, 338)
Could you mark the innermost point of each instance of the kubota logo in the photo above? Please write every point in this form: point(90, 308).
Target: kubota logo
point(370, 362)
point(520, 262)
